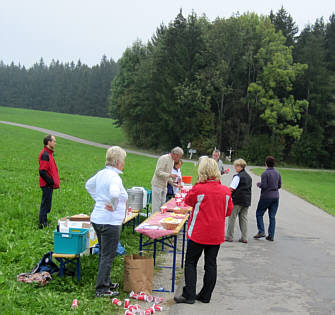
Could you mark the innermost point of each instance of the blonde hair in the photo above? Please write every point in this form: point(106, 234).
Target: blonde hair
point(240, 162)
point(208, 169)
point(115, 154)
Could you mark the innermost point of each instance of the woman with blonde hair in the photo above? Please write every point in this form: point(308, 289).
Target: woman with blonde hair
point(110, 198)
point(211, 204)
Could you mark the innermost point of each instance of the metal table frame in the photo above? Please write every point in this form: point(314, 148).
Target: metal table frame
point(169, 241)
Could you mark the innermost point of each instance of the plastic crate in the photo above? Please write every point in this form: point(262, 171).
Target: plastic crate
point(73, 242)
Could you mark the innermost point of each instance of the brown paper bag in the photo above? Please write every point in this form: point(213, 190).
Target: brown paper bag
point(138, 274)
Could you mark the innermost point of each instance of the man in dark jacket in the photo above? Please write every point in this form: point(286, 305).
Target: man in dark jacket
point(269, 200)
point(49, 178)
point(241, 195)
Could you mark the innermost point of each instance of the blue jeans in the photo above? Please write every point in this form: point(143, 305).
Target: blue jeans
point(108, 238)
point(272, 206)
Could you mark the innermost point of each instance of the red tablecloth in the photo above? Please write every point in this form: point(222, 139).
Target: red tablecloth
point(171, 204)
point(152, 228)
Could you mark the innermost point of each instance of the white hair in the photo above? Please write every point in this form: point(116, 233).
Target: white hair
point(114, 155)
point(178, 151)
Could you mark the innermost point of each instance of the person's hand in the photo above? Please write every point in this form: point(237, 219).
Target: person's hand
point(258, 184)
point(173, 176)
point(109, 207)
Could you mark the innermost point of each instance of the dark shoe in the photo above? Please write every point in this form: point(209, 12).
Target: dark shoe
point(259, 235)
point(43, 225)
point(229, 240)
point(201, 299)
point(181, 299)
point(114, 286)
point(269, 238)
point(108, 293)
point(243, 241)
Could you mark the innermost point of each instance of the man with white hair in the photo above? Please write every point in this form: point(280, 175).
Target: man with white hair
point(163, 175)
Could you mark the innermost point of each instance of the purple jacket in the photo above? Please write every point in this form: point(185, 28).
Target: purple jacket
point(270, 183)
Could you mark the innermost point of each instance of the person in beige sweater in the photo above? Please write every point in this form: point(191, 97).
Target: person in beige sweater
point(163, 175)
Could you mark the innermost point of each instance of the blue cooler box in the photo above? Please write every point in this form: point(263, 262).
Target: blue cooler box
point(73, 242)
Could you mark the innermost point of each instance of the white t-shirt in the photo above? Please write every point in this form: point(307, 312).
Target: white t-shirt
point(178, 179)
point(235, 182)
point(106, 187)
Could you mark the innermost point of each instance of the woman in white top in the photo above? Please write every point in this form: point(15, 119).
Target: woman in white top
point(110, 198)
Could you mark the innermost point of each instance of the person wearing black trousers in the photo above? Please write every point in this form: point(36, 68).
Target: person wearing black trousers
point(48, 178)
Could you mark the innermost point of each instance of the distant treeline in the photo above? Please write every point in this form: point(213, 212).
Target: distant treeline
point(71, 88)
point(248, 82)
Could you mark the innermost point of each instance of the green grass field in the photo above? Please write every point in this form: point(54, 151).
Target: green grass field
point(316, 187)
point(23, 244)
point(95, 129)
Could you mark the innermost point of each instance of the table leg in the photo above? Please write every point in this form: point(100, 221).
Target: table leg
point(183, 248)
point(141, 240)
point(155, 243)
point(134, 226)
point(174, 262)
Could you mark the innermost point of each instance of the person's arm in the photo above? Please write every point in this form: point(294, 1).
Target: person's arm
point(264, 181)
point(47, 178)
point(160, 170)
point(44, 168)
point(114, 194)
point(279, 182)
point(90, 186)
point(234, 184)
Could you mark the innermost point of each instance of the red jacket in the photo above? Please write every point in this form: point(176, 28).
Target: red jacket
point(211, 204)
point(48, 169)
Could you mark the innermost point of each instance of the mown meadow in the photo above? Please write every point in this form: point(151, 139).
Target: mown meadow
point(91, 128)
point(23, 244)
point(317, 187)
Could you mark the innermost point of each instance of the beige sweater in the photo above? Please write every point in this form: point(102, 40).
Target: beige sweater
point(163, 171)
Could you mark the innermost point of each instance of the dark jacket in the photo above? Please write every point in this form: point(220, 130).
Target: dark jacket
point(242, 195)
point(48, 169)
point(270, 183)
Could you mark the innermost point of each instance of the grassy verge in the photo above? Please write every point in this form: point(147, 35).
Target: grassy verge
point(23, 244)
point(96, 129)
point(315, 187)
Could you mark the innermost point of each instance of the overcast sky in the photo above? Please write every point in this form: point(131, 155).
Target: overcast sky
point(87, 29)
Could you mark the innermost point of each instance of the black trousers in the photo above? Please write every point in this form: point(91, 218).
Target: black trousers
point(193, 253)
point(45, 204)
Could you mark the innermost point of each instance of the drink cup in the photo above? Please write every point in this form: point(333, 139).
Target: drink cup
point(142, 297)
point(163, 209)
point(117, 302)
point(150, 298)
point(126, 303)
point(158, 308)
point(127, 312)
point(158, 300)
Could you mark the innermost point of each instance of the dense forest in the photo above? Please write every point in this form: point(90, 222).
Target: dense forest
point(71, 88)
point(249, 82)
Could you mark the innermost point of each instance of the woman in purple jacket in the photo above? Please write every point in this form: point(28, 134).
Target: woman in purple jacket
point(269, 200)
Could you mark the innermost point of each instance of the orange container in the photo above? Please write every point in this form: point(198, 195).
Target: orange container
point(187, 179)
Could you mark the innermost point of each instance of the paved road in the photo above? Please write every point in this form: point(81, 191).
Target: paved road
point(295, 274)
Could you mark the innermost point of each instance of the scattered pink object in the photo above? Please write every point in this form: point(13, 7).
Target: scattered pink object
point(126, 303)
point(117, 302)
point(74, 304)
point(158, 308)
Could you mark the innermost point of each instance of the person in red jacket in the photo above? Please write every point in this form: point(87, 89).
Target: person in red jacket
point(49, 178)
point(211, 203)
